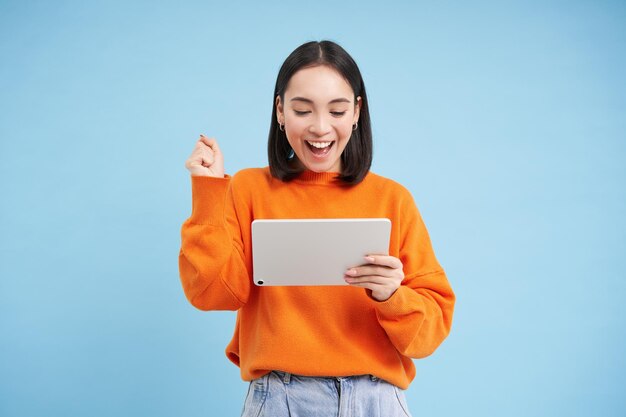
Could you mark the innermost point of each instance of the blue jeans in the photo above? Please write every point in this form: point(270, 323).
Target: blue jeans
point(280, 394)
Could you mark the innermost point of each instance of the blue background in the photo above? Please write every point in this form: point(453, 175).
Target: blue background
point(506, 120)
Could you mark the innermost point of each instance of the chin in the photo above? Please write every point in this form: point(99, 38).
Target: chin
point(319, 168)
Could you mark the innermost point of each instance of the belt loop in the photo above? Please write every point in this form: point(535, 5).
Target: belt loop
point(286, 377)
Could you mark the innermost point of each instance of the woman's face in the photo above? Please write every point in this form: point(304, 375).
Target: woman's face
point(318, 113)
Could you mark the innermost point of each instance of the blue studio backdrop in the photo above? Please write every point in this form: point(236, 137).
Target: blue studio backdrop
point(506, 121)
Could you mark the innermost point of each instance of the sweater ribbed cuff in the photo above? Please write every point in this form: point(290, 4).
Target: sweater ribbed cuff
point(403, 301)
point(208, 198)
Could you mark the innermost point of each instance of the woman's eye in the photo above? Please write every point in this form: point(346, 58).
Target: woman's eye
point(334, 113)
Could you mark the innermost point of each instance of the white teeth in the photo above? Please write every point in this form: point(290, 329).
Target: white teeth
point(319, 145)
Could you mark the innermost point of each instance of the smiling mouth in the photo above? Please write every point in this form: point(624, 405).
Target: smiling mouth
point(320, 148)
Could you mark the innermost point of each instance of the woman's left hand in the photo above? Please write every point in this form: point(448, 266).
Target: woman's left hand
point(382, 275)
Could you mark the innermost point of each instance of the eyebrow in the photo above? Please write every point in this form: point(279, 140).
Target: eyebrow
point(336, 100)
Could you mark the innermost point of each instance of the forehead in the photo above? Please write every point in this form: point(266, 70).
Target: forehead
point(320, 83)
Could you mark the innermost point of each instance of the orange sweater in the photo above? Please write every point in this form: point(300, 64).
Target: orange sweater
point(314, 331)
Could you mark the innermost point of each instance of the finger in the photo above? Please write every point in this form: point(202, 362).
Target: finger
point(204, 142)
point(384, 260)
point(370, 270)
point(207, 159)
point(369, 285)
point(202, 154)
point(371, 279)
point(211, 143)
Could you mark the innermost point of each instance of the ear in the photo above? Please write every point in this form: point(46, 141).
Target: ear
point(280, 114)
point(357, 109)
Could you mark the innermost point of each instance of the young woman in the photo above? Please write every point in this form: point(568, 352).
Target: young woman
point(326, 350)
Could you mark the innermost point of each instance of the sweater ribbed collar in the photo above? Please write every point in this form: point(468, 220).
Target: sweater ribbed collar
point(312, 177)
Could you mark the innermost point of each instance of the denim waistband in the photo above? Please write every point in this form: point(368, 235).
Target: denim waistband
point(286, 377)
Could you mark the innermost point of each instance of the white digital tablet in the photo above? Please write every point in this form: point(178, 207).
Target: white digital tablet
point(314, 251)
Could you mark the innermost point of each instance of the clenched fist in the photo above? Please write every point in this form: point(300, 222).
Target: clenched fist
point(206, 160)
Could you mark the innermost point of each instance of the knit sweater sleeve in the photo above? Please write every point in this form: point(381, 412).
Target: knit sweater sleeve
point(418, 316)
point(211, 260)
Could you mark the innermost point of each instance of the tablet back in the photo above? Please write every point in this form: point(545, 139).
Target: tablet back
point(314, 251)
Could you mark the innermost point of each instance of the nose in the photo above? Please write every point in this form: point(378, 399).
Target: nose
point(320, 125)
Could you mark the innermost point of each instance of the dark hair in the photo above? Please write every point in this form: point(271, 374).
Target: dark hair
point(356, 158)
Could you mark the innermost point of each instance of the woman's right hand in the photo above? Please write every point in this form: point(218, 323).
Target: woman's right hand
point(206, 160)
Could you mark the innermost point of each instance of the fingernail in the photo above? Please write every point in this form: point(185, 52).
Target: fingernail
point(369, 258)
point(351, 272)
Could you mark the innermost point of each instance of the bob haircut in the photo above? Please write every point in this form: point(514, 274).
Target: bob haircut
point(356, 158)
